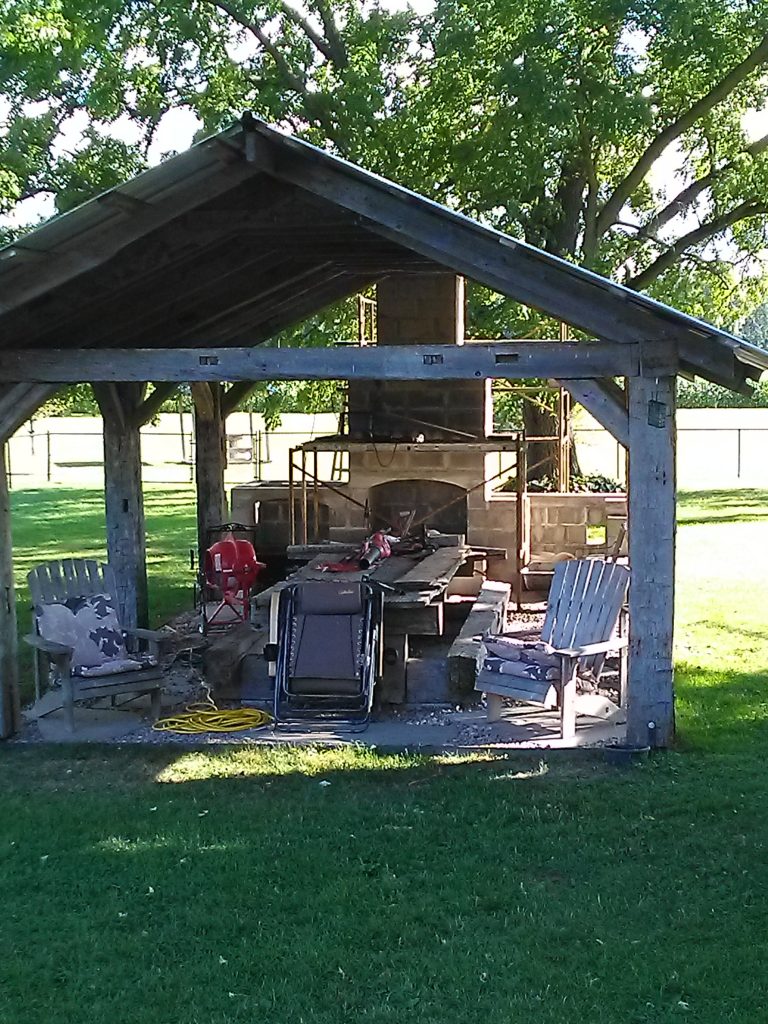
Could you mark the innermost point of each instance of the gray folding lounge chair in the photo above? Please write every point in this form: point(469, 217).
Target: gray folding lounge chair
point(328, 649)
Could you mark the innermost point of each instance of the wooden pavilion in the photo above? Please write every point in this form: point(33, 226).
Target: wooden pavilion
point(182, 274)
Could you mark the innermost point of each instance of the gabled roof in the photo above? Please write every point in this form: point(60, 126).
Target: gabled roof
point(252, 230)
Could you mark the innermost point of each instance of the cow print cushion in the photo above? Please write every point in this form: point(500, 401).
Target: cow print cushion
point(89, 625)
point(510, 648)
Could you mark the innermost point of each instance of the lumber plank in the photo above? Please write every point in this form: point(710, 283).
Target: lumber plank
point(436, 570)
point(424, 619)
point(9, 667)
point(488, 613)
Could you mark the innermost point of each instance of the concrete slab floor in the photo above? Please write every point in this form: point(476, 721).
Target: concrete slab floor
point(92, 725)
point(457, 731)
point(426, 731)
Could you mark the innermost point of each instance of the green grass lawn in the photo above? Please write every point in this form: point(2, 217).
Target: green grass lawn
point(61, 522)
point(228, 885)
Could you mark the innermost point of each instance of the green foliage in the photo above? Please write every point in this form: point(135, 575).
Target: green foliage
point(755, 327)
point(545, 121)
point(74, 400)
point(703, 395)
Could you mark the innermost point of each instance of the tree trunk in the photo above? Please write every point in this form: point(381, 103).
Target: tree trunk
point(540, 421)
point(9, 678)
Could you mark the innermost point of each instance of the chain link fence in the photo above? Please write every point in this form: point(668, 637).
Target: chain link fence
point(716, 448)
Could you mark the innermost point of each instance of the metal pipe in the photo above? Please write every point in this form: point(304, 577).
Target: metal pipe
point(304, 499)
point(520, 531)
point(315, 499)
point(291, 508)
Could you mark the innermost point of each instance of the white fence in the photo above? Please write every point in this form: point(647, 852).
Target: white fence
point(68, 450)
point(724, 448)
point(716, 448)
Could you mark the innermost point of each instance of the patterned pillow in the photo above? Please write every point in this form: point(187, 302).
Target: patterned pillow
point(89, 625)
point(522, 669)
point(510, 648)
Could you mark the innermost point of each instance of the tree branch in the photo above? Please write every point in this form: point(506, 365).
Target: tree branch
point(313, 109)
point(702, 233)
point(332, 34)
point(311, 33)
point(589, 244)
point(292, 80)
point(689, 195)
point(719, 92)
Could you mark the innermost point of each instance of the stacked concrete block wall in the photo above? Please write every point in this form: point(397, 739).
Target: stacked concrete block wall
point(577, 524)
point(267, 507)
point(413, 309)
point(403, 410)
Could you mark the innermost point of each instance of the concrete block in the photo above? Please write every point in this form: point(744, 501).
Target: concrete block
point(576, 535)
point(540, 535)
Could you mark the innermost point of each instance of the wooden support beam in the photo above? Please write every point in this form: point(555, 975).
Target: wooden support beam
point(9, 668)
point(20, 401)
point(210, 460)
point(606, 401)
point(502, 361)
point(151, 404)
point(203, 397)
point(234, 395)
point(110, 401)
point(124, 498)
point(652, 497)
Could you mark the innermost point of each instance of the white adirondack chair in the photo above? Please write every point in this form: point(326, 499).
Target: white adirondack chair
point(78, 637)
point(580, 629)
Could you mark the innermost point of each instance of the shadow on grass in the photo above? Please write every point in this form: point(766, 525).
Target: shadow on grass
point(405, 888)
point(734, 506)
point(721, 711)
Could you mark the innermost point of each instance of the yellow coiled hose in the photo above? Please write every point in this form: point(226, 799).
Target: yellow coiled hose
point(206, 717)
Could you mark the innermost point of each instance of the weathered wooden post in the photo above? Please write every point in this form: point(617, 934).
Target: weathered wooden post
point(652, 519)
point(124, 497)
point(9, 672)
point(210, 460)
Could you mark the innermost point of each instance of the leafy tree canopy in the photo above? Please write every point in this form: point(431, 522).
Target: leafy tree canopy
point(546, 118)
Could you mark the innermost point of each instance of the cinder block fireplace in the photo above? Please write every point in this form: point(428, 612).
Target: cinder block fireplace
point(426, 447)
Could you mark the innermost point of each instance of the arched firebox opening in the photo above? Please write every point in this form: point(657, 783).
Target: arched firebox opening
point(440, 505)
